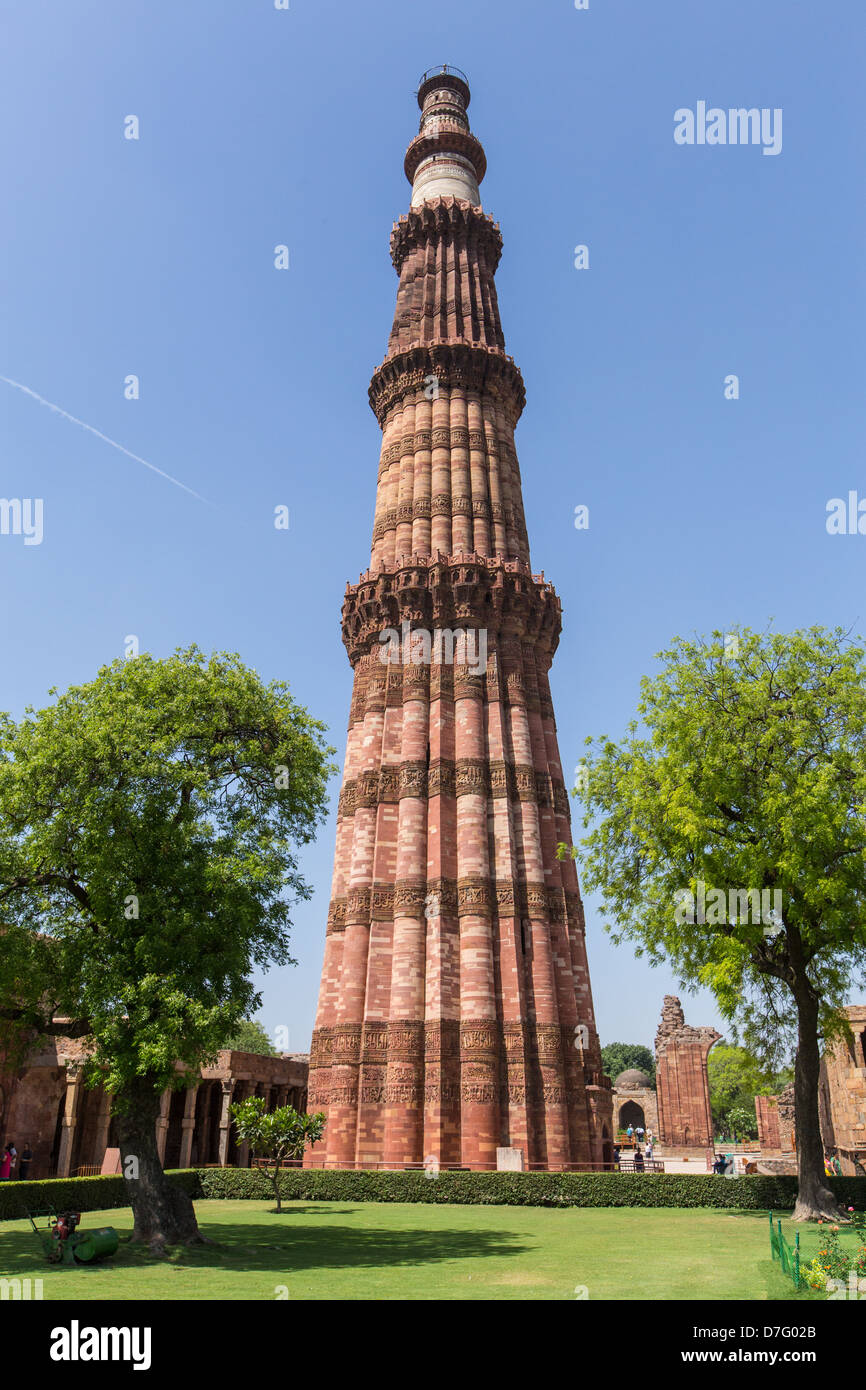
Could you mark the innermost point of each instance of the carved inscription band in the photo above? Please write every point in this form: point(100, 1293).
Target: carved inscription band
point(447, 898)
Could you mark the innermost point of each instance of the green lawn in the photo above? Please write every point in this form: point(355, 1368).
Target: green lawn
point(413, 1251)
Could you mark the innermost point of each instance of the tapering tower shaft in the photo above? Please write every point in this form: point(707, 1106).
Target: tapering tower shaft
point(455, 1013)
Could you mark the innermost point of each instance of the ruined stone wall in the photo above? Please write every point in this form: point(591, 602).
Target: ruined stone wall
point(682, 1083)
point(842, 1095)
point(767, 1111)
point(841, 1103)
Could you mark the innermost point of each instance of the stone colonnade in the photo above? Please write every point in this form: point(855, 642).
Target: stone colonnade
point(69, 1126)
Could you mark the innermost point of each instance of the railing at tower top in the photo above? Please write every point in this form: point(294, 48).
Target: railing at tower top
point(442, 71)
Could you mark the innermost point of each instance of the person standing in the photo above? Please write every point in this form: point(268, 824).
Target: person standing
point(6, 1164)
point(638, 1161)
point(628, 1134)
point(26, 1160)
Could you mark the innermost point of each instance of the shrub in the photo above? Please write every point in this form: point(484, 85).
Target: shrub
point(831, 1257)
point(813, 1275)
point(755, 1193)
point(77, 1194)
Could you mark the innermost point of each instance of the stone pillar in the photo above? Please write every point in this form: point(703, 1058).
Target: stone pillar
point(225, 1119)
point(162, 1123)
point(204, 1136)
point(69, 1121)
point(188, 1127)
point(243, 1146)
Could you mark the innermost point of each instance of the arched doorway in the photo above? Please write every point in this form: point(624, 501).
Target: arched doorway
point(206, 1135)
point(632, 1114)
point(174, 1136)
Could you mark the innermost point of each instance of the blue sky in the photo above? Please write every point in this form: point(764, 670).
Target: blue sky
point(260, 127)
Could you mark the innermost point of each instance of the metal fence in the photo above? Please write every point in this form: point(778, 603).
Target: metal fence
point(787, 1254)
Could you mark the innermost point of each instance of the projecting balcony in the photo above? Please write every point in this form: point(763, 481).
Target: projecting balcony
point(432, 75)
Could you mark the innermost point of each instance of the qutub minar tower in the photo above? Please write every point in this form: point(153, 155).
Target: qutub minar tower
point(455, 1014)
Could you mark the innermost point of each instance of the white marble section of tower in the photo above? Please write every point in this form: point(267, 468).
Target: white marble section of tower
point(445, 174)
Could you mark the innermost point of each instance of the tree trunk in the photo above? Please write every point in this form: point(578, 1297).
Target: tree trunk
point(163, 1214)
point(815, 1201)
point(277, 1186)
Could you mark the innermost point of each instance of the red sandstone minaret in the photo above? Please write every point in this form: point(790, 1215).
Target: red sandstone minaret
point(455, 1014)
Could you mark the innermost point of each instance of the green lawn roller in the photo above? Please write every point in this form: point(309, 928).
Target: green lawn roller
point(63, 1243)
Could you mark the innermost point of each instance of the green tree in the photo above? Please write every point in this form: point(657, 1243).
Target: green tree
point(147, 829)
point(282, 1135)
point(618, 1057)
point(736, 1076)
point(742, 1122)
point(751, 774)
point(250, 1036)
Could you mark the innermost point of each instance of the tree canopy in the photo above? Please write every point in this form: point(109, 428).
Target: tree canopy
point(736, 1076)
point(618, 1057)
point(148, 830)
point(250, 1036)
point(728, 838)
point(279, 1136)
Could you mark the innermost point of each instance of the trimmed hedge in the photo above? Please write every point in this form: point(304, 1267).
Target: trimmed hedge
point(77, 1194)
point(756, 1192)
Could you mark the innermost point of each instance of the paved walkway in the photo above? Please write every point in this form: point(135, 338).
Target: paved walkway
point(681, 1165)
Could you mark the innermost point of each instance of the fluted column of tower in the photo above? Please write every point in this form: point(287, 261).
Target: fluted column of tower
point(455, 1013)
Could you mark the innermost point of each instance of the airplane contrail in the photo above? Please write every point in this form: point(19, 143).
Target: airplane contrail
point(99, 435)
